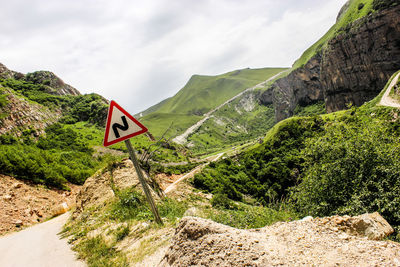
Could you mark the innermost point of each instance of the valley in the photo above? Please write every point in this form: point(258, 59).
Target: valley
point(274, 166)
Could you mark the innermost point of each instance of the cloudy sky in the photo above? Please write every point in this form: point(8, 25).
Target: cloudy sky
point(141, 52)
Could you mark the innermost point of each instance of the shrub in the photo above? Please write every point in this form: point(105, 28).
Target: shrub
point(354, 168)
point(221, 201)
point(267, 172)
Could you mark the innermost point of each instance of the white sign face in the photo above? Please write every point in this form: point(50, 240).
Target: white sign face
point(120, 125)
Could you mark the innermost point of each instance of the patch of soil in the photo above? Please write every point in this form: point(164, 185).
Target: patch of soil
point(23, 203)
point(166, 180)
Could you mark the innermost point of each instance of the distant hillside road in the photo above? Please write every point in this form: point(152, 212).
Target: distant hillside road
point(386, 99)
point(38, 246)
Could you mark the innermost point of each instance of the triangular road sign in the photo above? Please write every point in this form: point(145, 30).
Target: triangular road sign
point(120, 125)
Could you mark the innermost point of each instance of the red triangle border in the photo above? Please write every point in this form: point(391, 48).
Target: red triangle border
point(113, 105)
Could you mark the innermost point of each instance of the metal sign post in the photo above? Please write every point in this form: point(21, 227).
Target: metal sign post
point(143, 182)
point(121, 126)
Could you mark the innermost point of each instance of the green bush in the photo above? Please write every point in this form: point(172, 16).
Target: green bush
point(310, 110)
point(267, 172)
point(57, 137)
point(91, 107)
point(249, 217)
point(131, 204)
point(221, 201)
point(53, 160)
point(354, 168)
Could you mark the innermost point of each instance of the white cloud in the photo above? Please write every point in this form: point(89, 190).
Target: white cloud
point(140, 52)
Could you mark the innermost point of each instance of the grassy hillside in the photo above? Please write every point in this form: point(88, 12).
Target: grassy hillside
point(356, 10)
point(340, 163)
point(200, 95)
point(238, 122)
point(152, 108)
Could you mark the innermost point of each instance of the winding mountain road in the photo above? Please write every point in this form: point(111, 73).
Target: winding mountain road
point(386, 99)
point(38, 246)
point(182, 139)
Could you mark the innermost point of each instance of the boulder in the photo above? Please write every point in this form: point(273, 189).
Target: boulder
point(372, 225)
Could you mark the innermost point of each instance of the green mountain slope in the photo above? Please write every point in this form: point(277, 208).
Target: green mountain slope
point(345, 162)
point(237, 122)
point(200, 95)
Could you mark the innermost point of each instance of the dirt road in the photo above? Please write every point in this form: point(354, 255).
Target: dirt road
point(38, 246)
point(192, 173)
point(182, 139)
point(386, 99)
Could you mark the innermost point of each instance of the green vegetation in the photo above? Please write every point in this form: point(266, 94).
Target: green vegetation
point(132, 205)
point(266, 172)
point(3, 98)
point(68, 152)
point(356, 10)
point(158, 123)
point(53, 160)
point(128, 209)
point(310, 110)
point(90, 107)
point(233, 125)
point(3, 103)
point(244, 216)
point(395, 93)
point(128, 216)
point(352, 168)
point(200, 95)
point(97, 253)
point(340, 163)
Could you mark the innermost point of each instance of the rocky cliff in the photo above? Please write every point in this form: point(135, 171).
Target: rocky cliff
point(18, 113)
point(54, 85)
point(301, 87)
point(357, 63)
point(22, 114)
point(351, 69)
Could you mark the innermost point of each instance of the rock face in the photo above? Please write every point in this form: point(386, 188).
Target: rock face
point(56, 85)
point(301, 87)
point(314, 242)
point(21, 114)
point(5, 73)
point(352, 69)
point(18, 114)
point(358, 63)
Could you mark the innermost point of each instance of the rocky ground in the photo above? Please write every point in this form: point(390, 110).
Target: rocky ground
point(23, 203)
point(332, 241)
point(329, 241)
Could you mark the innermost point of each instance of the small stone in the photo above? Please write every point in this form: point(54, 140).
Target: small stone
point(38, 213)
point(7, 197)
point(18, 223)
point(17, 185)
point(307, 219)
point(344, 236)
